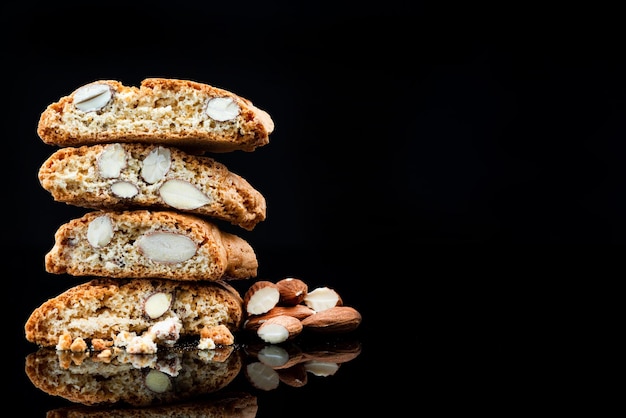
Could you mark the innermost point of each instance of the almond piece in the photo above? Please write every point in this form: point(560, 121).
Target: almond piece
point(297, 311)
point(166, 247)
point(261, 297)
point(100, 231)
point(322, 298)
point(157, 304)
point(112, 161)
point(124, 189)
point(92, 97)
point(156, 165)
point(279, 329)
point(182, 195)
point(292, 291)
point(222, 109)
point(333, 320)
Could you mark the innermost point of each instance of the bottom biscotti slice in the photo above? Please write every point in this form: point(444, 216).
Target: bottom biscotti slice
point(137, 315)
point(147, 244)
point(137, 380)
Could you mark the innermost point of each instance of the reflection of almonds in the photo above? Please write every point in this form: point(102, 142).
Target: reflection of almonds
point(295, 375)
point(158, 381)
point(297, 311)
point(273, 355)
point(320, 368)
point(333, 320)
point(338, 352)
point(262, 376)
point(330, 356)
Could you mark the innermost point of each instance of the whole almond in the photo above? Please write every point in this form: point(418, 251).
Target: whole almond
point(292, 291)
point(333, 320)
point(298, 311)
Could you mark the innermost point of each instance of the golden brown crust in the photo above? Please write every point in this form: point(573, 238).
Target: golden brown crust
point(219, 255)
point(103, 308)
point(161, 110)
point(74, 176)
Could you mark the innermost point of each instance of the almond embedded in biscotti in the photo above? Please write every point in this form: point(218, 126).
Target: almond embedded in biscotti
point(181, 194)
point(292, 291)
point(261, 297)
point(337, 319)
point(156, 304)
point(166, 247)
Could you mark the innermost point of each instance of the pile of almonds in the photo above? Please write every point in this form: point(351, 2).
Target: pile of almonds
point(291, 363)
point(278, 312)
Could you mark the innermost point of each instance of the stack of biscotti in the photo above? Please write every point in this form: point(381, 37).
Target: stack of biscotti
point(156, 260)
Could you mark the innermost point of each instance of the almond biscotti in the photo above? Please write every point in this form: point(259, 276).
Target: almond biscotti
point(180, 113)
point(125, 176)
point(149, 244)
point(138, 315)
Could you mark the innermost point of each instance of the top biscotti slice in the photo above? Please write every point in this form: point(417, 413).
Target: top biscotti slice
point(125, 176)
point(180, 113)
point(149, 244)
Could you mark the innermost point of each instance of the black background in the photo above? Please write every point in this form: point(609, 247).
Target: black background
point(456, 174)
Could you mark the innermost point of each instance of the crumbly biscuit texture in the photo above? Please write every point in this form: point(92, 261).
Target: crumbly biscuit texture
point(149, 244)
point(115, 311)
point(131, 380)
point(121, 176)
point(181, 113)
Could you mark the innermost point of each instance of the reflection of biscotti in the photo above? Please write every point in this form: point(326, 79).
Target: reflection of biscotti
point(179, 113)
point(219, 405)
point(125, 176)
point(170, 376)
point(116, 310)
point(144, 244)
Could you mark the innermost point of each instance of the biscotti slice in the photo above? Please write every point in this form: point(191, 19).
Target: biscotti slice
point(180, 113)
point(125, 176)
point(137, 315)
point(149, 244)
point(124, 379)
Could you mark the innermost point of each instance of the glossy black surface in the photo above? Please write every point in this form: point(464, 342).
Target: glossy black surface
point(449, 172)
